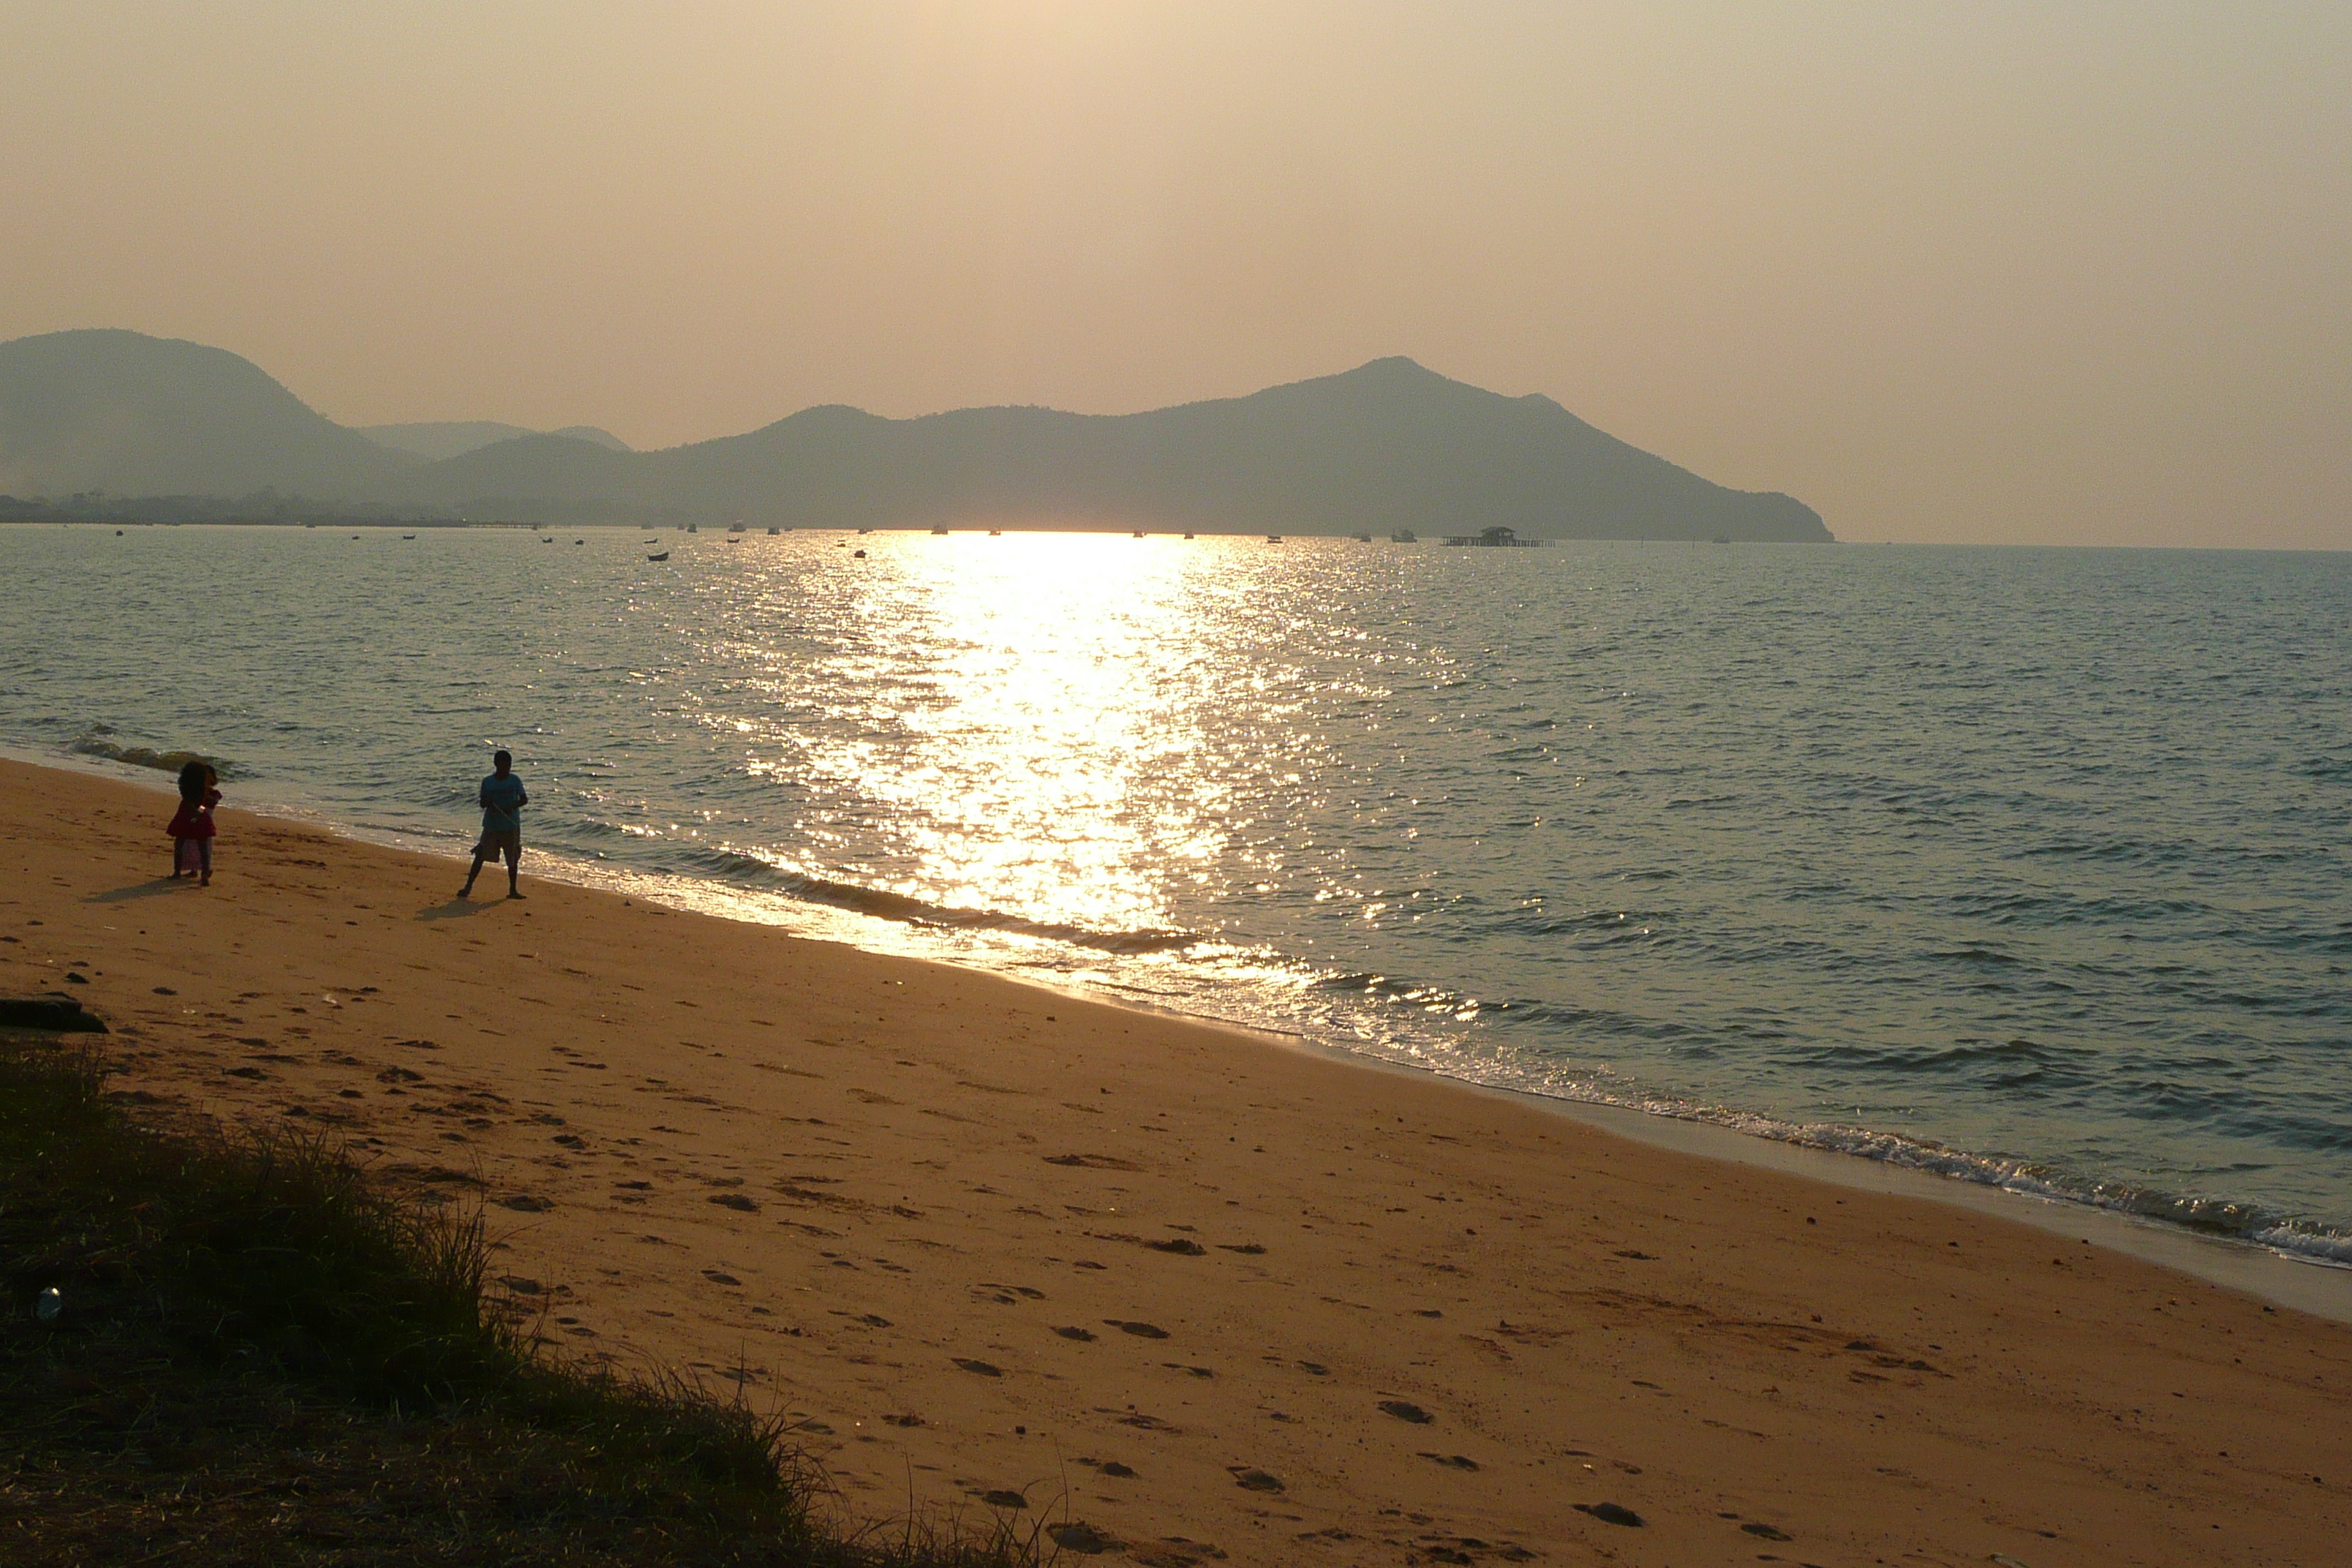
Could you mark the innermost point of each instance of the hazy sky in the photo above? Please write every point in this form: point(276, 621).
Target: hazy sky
point(2037, 272)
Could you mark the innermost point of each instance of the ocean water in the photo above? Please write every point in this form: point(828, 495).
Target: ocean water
point(2028, 866)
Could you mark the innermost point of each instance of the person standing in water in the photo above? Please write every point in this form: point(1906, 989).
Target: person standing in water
point(503, 799)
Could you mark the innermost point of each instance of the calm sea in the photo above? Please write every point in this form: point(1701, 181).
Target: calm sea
point(2029, 866)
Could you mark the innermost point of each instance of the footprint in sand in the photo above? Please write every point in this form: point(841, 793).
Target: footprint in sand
point(1405, 1410)
point(1459, 1462)
point(1004, 1499)
point(1609, 1513)
point(1763, 1531)
point(1140, 1331)
point(1252, 1480)
point(719, 1276)
point(1113, 1468)
point(736, 1201)
point(981, 1367)
point(1074, 1332)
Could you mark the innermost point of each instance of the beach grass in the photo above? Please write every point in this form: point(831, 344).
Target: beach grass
point(222, 1346)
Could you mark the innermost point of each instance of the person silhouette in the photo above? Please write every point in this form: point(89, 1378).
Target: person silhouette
point(503, 798)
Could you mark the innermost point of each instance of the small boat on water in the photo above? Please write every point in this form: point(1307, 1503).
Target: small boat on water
point(857, 554)
point(774, 532)
point(1138, 533)
point(1188, 536)
point(939, 533)
point(734, 528)
point(995, 533)
point(660, 555)
point(578, 541)
point(1362, 538)
point(404, 536)
point(1404, 536)
point(1274, 539)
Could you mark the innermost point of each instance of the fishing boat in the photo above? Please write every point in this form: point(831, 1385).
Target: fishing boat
point(1274, 539)
point(1361, 537)
point(1404, 536)
point(939, 533)
point(659, 555)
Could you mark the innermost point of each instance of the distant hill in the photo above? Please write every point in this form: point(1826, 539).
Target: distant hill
point(1387, 446)
point(134, 415)
point(438, 441)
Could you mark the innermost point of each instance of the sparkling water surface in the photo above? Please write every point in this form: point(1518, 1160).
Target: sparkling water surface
point(2029, 866)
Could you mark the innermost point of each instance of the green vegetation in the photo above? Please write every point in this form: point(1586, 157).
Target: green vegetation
point(256, 1356)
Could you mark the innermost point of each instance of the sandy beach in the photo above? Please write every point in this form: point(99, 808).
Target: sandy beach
point(1214, 1297)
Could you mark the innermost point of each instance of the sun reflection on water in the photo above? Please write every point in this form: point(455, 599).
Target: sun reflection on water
point(1043, 753)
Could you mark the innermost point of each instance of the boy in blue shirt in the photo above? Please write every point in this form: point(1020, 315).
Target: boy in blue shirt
point(502, 802)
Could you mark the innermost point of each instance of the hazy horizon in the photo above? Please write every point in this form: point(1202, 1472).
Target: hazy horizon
point(1998, 276)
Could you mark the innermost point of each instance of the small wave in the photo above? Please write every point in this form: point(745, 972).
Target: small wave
point(2212, 1217)
point(743, 868)
point(94, 745)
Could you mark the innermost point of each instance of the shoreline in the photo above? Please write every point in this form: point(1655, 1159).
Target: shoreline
point(2304, 1281)
point(1216, 1300)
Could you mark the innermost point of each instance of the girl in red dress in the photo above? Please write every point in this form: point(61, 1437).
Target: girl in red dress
point(192, 827)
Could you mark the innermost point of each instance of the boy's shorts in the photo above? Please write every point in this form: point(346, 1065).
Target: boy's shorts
point(497, 841)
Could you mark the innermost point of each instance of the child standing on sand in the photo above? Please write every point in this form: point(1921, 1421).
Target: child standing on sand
point(192, 826)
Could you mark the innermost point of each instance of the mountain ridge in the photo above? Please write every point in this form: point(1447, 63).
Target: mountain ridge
point(1390, 445)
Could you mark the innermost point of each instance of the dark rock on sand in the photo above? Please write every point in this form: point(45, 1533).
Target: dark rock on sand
point(59, 1014)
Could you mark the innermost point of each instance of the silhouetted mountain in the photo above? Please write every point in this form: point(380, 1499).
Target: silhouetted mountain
point(132, 415)
point(1388, 446)
point(1385, 446)
point(436, 441)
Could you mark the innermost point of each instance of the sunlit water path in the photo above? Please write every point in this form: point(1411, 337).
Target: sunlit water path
point(2026, 863)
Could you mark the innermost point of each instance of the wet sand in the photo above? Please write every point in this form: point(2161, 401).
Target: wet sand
point(1208, 1295)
